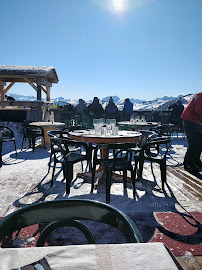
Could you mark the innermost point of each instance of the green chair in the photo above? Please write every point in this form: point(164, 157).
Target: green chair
point(69, 213)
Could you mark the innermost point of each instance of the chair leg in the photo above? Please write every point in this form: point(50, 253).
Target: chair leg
point(163, 173)
point(54, 165)
point(15, 149)
point(33, 144)
point(68, 172)
point(0, 154)
point(124, 178)
point(44, 143)
point(23, 142)
point(108, 185)
point(92, 178)
point(133, 181)
point(49, 165)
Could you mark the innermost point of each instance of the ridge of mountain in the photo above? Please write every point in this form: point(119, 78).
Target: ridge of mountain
point(160, 103)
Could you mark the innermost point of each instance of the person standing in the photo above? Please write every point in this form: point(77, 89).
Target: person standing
point(127, 109)
point(176, 111)
point(192, 118)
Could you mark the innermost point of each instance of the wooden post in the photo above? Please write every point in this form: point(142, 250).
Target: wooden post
point(38, 90)
point(2, 84)
point(48, 93)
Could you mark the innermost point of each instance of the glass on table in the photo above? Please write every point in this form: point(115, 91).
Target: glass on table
point(113, 122)
point(108, 130)
point(96, 122)
point(132, 118)
point(115, 130)
point(102, 121)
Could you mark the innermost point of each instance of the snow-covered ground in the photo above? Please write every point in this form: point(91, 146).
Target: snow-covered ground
point(24, 180)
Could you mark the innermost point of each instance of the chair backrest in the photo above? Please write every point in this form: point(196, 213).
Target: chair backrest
point(69, 210)
point(157, 142)
point(118, 150)
point(64, 146)
point(33, 131)
point(57, 133)
point(6, 133)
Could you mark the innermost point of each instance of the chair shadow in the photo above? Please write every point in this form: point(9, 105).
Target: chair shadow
point(149, 200)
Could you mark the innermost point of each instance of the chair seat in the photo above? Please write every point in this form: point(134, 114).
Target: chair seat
point(5, 139)
point(121, 164)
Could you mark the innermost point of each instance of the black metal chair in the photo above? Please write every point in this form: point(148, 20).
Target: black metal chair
point(6, 135)
point(54, 148)
point(155, 150)
point(64, 153)
point(70, 213)
point(32, 132)
point(119, 161)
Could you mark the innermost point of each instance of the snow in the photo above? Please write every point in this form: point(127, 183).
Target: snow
point(24, 180)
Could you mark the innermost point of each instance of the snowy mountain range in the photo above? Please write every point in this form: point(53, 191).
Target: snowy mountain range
point(160, 103)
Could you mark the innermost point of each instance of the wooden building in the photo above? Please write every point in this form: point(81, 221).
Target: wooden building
point(40, 78)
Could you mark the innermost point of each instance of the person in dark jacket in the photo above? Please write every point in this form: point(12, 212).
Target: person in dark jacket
point(192, 118)
point(127, 109)
point(176, 111)
point(95, 108)
point(111, 108)
point(9, 98)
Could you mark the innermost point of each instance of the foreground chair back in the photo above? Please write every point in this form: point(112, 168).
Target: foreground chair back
point(6, 135)
point(67, 213)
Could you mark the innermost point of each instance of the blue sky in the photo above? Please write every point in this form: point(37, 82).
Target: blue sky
point(148, 49)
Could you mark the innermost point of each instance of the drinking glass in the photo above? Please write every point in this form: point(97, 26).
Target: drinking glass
point(113, 122)
point(115, 130)
point(102, 121)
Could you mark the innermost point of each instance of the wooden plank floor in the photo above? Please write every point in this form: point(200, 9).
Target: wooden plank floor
point(187, 189)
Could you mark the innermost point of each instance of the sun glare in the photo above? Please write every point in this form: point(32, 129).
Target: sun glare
point(119, 6)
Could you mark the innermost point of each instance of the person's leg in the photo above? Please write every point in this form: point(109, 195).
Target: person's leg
point(192, 156)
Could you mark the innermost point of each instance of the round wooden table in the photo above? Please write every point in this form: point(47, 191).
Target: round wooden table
point(47, 126)
point(138, 125)
point(90, 136)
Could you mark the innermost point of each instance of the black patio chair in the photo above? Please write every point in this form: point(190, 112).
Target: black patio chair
point(54, 148)
point(56, 214)
point(32, 132)
point(64, 151)
point(6, 135)
point(119, 161)
point(155, 150)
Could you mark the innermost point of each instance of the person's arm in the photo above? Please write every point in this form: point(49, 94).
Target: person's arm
point(198, 106)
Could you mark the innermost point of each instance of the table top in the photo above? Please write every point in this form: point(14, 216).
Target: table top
point(90, 136)
point(138, 123)
point(153, 256)
point(46, 124)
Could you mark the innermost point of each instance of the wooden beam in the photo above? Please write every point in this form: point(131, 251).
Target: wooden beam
point(2, 83)
point(27, 80)
point(46, 82)
point(48, 93)
point(45, 91)
point(2, 92)
point(28, 104)
point(8, 87)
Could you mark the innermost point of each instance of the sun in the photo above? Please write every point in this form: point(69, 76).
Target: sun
point(119, 6)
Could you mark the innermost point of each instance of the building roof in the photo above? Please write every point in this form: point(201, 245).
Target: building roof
point(16, 73)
